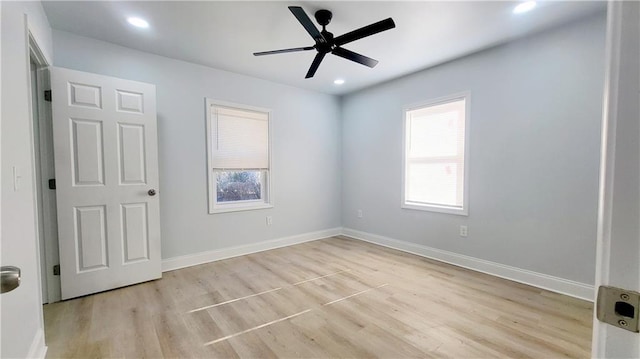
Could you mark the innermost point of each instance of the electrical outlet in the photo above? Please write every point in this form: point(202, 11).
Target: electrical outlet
point(463, 231)
point(359, 213)
point(269, 220)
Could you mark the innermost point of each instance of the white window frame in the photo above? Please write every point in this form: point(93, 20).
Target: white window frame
point(222, 207)
point(464, 211)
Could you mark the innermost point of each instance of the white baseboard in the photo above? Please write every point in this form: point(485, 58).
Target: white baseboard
point(539, 280)
point(38, 349)
point(189, 260)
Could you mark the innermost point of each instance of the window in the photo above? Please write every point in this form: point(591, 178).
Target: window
point(238, 144)
point(435, 155)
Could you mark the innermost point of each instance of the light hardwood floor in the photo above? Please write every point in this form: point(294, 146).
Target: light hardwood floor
point(335, 297)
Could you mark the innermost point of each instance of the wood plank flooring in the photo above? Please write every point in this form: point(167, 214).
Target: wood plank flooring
point(335, 297)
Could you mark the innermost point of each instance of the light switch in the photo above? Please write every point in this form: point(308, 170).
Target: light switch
point(16, 179)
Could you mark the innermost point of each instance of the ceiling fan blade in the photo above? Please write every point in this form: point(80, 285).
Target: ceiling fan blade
point(314, 65)
point(368, 30)
point(283, 51)
point(299, 13)
point(354, 56)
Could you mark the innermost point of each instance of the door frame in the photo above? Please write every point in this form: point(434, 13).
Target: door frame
point(607, 157)
point(46, 239)
point(604, 335)
point(44, 161)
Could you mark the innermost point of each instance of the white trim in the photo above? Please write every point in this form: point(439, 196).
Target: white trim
point(36, 51)
point(435, 208)
point(237, 207)
point(189, 260)
point(539, 280)
point(607, 165)
point(464, 211)
point(43, 160)
point(535, 279)
point(38, 349)
point(47, 170)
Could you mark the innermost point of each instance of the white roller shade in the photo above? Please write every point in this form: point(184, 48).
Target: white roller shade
point(437, 131)
point(240, 138)
point(435, 154)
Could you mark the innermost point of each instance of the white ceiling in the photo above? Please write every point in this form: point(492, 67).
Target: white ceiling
point(224, 35)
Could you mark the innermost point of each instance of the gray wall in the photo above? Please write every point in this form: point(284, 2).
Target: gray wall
point(306, 147)
point(536, 107)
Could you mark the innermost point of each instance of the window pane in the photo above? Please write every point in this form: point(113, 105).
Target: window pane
point(435, 155)
point(433, 183)
point(238, 185)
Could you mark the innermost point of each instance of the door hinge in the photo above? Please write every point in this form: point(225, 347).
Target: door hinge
point(47, 95)
point(52, 183)
point(618, 307)
point(56, 269)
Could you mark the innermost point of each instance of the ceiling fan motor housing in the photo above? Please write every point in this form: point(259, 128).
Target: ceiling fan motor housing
point(328, 45)
point(323, 17)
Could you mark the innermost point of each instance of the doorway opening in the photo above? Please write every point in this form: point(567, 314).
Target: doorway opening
point(44, 170)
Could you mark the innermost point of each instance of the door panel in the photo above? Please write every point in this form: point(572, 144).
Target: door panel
point(106, 162)
point(130, 101)
point(87, 153)
point(132, 154)
point(85, 95)
point(91, 238)
point(135, 238)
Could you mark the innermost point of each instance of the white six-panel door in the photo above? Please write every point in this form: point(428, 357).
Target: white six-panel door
point(105, 144)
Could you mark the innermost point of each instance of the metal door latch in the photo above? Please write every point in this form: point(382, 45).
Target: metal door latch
point(9, 278)
point(618, 307)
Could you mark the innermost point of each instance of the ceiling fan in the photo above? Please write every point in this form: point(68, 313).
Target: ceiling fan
point(326, 43)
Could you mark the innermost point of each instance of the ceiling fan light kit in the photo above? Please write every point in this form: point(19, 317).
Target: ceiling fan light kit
point(326, 43)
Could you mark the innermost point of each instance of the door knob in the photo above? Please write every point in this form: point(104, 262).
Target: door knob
point(9, 278)
point(152, 192)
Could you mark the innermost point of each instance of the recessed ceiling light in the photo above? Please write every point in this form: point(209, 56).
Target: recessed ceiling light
point(524, 7)
point(338, 81)
point(138, 22)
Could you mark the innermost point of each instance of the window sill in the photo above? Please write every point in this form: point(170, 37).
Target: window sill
point(438, 209)
point(236, 208)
